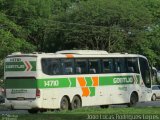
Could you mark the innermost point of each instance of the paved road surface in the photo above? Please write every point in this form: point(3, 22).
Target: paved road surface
point(145, 104)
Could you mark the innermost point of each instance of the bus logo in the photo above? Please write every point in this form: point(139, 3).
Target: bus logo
point(123, 80)
point(20, 66)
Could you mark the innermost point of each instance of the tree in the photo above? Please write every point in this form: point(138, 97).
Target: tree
point(153, 31)
point(116, 26)
point(108, 25)
point(11, 39)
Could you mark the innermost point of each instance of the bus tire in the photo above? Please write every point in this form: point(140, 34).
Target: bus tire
point(104, 106)
point(133, 99)
point(33, 111)
point(64, 104)
point(153, 97)
point(76, 103)
point(42, 110)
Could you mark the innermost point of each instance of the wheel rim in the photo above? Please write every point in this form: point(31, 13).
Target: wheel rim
point(64, 104)
point(76, 103)
point(133, 99)
point(154, 97)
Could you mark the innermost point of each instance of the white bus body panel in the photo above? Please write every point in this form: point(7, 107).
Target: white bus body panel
point(50, 98)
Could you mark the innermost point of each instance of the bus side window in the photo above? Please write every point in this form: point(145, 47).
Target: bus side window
point(132, 65)
point(44, 63)
point(145, 72)
point(67, 65)
point(51, 66)
point(107, 66)
point(119, 64)
point(81, 66)
point(94, 66)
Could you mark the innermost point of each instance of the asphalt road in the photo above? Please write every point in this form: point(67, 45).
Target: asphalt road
point(144, 104)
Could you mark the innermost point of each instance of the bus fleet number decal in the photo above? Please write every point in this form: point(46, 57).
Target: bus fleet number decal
point(51, 83)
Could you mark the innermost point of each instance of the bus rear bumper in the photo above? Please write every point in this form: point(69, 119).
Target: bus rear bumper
point(23, 104)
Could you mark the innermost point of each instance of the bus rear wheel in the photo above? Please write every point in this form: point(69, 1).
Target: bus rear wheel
point(133, 100)
point(104, 106)
point(64, 105)
point(33, 111)
point(76, 103)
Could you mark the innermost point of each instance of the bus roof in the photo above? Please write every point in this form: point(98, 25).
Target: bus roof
point(75, 54)
point(83, 52)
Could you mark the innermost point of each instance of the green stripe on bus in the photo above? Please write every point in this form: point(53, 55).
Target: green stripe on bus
point(33, 64)
point(73, 82)
point(69, 82)
point(115, 80)
point(57, 82)
point(138, 79)
point(53, 83)
point(88, 81)
point(92, 91)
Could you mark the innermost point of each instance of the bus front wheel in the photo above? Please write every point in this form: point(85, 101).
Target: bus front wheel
point(64, 105)
point(153, 97)
point(133, 100)
point(76, 103)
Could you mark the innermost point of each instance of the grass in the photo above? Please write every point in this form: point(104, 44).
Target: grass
point(93, 113)
point(140, 110)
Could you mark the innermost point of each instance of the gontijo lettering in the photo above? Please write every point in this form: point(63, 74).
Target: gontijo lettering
point(25, 65)
point(123, 80)
point(15, 66)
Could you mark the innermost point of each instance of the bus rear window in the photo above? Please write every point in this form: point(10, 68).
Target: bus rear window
point(51, 66)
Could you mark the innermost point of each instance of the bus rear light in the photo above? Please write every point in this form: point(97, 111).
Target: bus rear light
point(38, 93)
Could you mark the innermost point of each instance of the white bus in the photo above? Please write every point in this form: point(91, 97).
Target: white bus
point(75, 78)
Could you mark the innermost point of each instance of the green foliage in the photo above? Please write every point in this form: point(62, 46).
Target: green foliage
point(153, 34)
point(114, 25)
point(12, 39)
